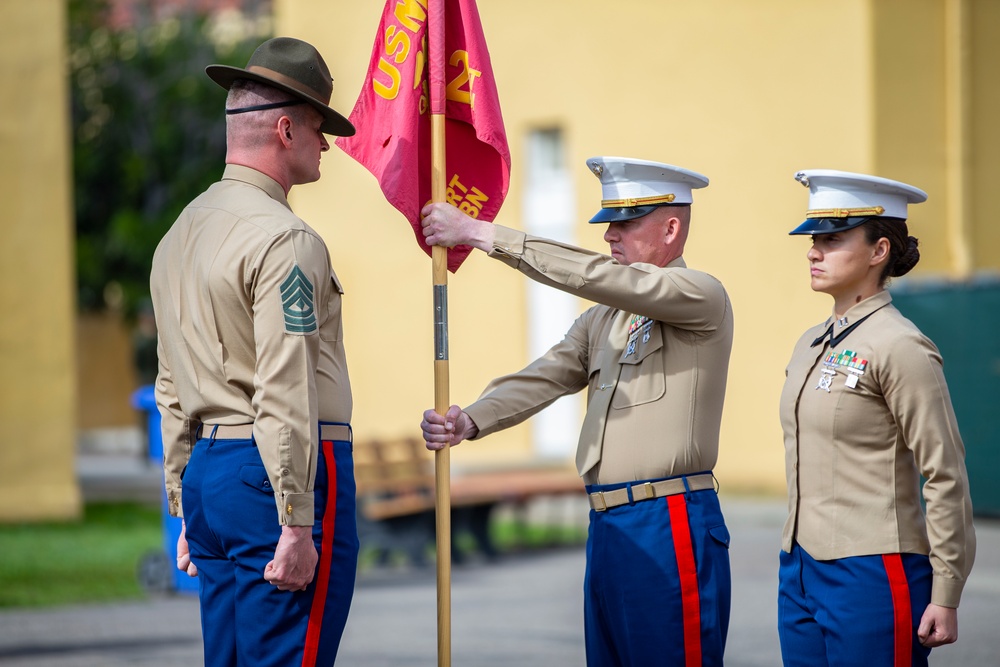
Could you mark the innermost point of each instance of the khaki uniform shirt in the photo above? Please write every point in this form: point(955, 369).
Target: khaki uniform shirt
point(653, 410)
point(249, 331)
point(854, 450)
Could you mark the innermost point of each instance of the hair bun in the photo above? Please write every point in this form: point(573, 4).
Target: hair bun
point(908, 259)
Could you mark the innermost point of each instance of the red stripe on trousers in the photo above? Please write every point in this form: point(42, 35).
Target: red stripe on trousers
point(315, 628)
point(902, 617)
point(688, 571)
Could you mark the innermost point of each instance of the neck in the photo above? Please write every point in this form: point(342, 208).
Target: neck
point(262, 163)
point(844, 302)
point(670, 253)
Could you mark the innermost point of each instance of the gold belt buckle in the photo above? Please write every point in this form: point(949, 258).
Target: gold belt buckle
point(650, 493)
point(604, 504)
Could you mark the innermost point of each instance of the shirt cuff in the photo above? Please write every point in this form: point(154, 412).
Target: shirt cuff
point(174, 506)
point(508, 245)
point(296, 509)
point(946, 592)
point(484, 418)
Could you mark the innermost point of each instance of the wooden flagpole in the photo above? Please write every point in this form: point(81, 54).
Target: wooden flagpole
point(439, 262)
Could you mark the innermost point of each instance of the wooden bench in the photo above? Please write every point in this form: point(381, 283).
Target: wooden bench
point(396, 499)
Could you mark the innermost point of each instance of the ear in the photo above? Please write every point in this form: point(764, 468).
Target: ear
point(880, 252)
point(284, 130)
point(672, 229)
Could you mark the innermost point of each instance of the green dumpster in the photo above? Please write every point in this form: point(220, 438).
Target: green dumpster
point(963, 319)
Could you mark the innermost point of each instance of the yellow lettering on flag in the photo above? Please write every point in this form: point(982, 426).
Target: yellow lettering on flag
point(477, 198)
point(409, 12)
point(468, 75)
point(397, 44)
point(418, 64)
point(459, 196)
point(388, 92)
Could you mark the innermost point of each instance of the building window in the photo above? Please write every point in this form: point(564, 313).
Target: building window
point(549, 211)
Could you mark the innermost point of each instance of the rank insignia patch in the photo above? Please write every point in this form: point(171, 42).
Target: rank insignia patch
point(297, 303)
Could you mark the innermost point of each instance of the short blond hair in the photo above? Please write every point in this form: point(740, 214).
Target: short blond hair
point(250, 130)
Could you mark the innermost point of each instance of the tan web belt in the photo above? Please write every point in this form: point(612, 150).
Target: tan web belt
point(341, 432)
point(603, 500)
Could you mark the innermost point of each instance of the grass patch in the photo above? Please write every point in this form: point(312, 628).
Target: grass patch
point(91, 560)
point(512, 535)
point(96, 558)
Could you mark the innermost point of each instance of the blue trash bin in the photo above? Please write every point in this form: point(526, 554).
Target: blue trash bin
point(144, 399)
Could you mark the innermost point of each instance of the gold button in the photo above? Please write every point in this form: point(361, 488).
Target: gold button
point(288, 510)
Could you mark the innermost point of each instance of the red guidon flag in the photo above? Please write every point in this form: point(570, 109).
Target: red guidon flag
point(392, 117)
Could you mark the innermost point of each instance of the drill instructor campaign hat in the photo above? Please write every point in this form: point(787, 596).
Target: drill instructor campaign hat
point(632, 188)
point(841, 200)
point(295, 67)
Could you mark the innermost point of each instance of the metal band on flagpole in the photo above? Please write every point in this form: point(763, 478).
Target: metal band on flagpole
point(439, 262)
point(440, 322)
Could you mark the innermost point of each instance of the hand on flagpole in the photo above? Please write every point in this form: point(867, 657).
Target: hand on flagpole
point(450, 428)
point(445, 225)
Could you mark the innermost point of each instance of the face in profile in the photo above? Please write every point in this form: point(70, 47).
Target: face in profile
point(840, 262)
point(310, 144)
point(650, 239)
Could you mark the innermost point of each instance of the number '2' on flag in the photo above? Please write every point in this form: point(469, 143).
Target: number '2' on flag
point(392, 117)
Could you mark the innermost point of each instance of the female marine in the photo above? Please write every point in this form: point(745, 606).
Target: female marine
point(867, 577)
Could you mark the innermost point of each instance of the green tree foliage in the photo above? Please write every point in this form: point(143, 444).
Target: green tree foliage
point(148, 132)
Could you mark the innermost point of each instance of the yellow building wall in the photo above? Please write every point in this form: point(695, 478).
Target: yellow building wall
point(106, 374)
point(746, 93)
point(937, 98)
point(911, 117)
point(983, 142)
point(37, 355)
point(731, 89)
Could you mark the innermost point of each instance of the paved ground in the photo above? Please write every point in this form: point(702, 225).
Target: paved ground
point(524, 610)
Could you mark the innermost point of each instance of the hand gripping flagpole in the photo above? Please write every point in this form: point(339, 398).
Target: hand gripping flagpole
point(439, 262)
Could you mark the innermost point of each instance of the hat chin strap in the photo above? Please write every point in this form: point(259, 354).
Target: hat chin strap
point(264, 107)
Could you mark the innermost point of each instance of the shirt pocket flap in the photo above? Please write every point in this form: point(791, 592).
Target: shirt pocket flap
point(256, 477)
point(336, 282)
point(720, 534)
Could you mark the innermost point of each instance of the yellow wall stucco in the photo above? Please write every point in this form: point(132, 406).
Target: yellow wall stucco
point(746, 93)
point(37, 354)
point(982, 52)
